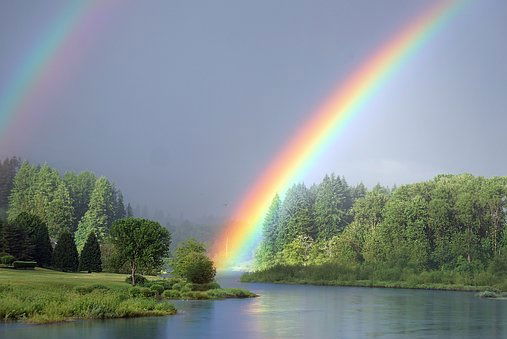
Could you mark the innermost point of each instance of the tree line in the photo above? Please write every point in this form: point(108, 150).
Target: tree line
point(452, 222)
point(79, 203)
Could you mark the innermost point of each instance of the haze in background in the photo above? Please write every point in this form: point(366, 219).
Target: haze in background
point(183, 103)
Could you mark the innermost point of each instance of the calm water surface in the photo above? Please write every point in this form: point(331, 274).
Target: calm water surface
point(285, 311)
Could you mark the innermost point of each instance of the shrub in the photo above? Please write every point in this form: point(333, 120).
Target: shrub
point(196, 268)
point(187, 287)
point(140, 280)
point(165, 283)
point(484, 279)
point(487, 294)
point(204, 287)
point(171, 294)
point(191, 263)
point(134, 292)
point(157, 288)
point(24, 265)
point(178, 286)
point(146, 292)
point(6, 259)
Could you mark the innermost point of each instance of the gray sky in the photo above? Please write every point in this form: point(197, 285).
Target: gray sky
point(183, 103)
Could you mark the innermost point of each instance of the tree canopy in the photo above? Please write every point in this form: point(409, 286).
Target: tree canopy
point(141, 243)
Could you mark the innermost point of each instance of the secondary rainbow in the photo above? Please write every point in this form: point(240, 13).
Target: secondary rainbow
point(325, 124)
point(39, 77)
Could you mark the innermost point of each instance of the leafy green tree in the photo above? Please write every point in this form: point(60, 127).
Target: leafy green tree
point(8, 169)
point(190, 262)
point(59, 212)
point(196, 267)
point(90, 258)
point(80, 187)
point(298, 251)
point(98, 217)
point(65, 256)
point(39, 246)
point(141, 243)
point(22, 192)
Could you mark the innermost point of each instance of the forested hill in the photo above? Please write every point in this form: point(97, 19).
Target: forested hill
point(453, 222)
point(74, 202)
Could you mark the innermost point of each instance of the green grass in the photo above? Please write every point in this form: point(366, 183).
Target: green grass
point(44, 296)
point(337, 275)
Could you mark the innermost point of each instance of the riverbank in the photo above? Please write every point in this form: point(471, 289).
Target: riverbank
point(332, 275)
point(46, 296)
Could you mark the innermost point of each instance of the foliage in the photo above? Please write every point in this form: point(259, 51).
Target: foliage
point(139, 279)
point(100, 213)
point(44, 296)
point(6, 259)
point(16, 241)
point(453, 223)
point(8, 170)
point(80, 187)
point(140, 242)
point(38, 243)
point(90, 258)
point(270, 226)
point(190, 262)
point(65, 256)
point(195, 267)
point(18, 264)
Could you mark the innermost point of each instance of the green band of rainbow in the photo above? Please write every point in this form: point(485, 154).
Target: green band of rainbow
point(243, 231)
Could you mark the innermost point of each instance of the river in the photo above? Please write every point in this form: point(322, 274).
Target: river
point(289, 311)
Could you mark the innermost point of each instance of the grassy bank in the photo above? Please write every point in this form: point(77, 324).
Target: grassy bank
point(44, 296)
point(337, 275)
point(176, 288)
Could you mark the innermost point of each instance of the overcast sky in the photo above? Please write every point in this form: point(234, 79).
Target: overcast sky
point(183, 103)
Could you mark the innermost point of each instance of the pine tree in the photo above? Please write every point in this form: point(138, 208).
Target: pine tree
point(98, 217)
point(65, 257)
point(2, 236)
point(296, 216)
point(119, 206)
point(16, 241)
point(80, 187)
point(39, 246)
point(90, 259)
point(129, 211)
point(331, 207)
point(271, 226)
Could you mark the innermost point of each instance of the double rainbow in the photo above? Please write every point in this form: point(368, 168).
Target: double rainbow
point(325, 124)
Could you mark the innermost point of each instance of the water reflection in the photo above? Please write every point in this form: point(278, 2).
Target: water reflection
point(302, 311)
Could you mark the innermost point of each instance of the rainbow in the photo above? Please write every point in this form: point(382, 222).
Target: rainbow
point(40, 75)
point(243, 231)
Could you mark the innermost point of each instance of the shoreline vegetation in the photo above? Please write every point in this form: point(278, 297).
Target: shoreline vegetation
point(337, 275)
point(447, 233)
point(43, 296)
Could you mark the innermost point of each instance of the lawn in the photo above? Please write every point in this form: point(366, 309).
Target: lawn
point(42, 296)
